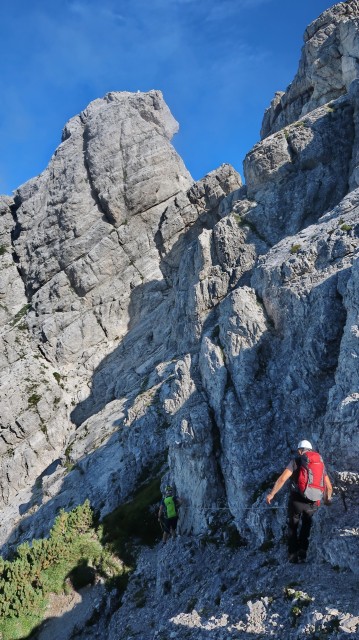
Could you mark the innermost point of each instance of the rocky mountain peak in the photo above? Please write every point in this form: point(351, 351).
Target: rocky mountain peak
point(327, 67)
point(153, 327)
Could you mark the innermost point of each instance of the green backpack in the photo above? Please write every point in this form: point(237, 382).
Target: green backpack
point(170, 507)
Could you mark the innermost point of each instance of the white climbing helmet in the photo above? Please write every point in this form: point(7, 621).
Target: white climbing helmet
point(304, 444)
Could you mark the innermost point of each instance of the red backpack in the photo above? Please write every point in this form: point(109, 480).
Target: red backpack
point(311, 470)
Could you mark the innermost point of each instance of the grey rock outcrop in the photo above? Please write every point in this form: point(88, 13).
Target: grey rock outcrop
point(153, 325)
point(93, 266)
point(71, 235)
point(327, 67)
point(94, 213)
point(301, 171)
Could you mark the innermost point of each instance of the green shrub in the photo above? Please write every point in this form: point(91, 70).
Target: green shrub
point(43, 567)
point(299, 599)
point(140, 598)
point(238, 218)
point(346, 227)
point(295, 248)
point(191, 605)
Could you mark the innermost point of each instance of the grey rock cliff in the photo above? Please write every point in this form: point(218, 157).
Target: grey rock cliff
point(149, 321)
point(327, 67)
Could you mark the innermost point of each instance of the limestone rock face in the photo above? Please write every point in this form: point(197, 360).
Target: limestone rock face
point(193, 332)
point(88, 260)
point(94, 214)
point(327, 67)
point(33, 402)
point(302, 171)
point(12, 294)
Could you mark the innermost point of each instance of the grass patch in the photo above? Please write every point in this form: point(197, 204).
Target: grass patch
point(43, 428)
point(300, 123)
point(20, 314)
point(299, 597)
point(237, 218)
point(295, 248)
point(300, 600)
point(33, 400)
point(244, 222)
point(346, 227)
point(2, 249)
point(21, 628)
point(57, 377)
point(23, 326)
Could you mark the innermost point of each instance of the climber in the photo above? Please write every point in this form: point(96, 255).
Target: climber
point(168, 513)
point(310, 483)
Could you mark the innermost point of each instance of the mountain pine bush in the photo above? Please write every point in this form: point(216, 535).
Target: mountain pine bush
point(43, 567)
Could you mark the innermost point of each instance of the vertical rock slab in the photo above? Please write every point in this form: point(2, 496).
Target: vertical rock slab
point(86, 226)
point(296, 175)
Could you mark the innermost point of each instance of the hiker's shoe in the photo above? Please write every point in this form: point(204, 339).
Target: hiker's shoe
point(302, 555)
point(293, 558)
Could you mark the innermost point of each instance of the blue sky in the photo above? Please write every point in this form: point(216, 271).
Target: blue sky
point(217, 62)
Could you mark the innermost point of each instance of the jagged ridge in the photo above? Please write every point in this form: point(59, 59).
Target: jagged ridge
point(209, 324)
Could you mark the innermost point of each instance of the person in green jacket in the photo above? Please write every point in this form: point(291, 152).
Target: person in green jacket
point(168, 513)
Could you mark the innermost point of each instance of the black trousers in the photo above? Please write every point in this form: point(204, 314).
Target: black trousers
point(300, 514)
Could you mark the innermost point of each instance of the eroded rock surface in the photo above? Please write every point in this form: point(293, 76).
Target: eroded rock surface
point(153, 325)
point(327, 67)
